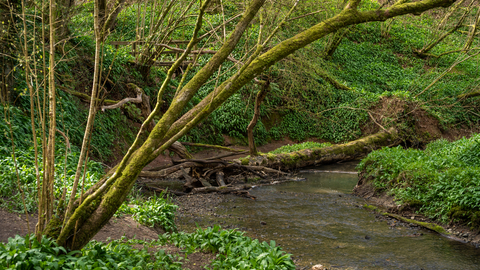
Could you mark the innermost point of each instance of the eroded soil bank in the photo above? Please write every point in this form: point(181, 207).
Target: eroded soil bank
point(387, 204)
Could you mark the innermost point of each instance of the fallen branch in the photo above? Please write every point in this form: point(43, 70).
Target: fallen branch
point(475, 93)
point(137, 99)
point(167, 171)
point(322, 171)
point(241, 190)
point(432, 226)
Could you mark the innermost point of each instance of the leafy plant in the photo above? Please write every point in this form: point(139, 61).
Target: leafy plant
point(10, 197)
point(28, 253)
point(155, 211)
point(235, 250)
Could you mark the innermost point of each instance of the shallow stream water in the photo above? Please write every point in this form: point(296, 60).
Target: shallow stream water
point(319, 222)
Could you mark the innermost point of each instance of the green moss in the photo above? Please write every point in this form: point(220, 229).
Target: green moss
point(53, 228)
point(271, 156)
point(244, 161)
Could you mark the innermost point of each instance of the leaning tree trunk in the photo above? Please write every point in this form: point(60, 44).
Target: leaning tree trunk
point(325, 155)
point(103, 199)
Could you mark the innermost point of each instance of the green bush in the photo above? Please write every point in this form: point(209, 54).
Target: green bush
point(442, 182)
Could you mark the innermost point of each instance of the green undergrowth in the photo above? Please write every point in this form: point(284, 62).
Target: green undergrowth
point(233, 250)
point(442, 181)
point(152, 211)
point(10, 195)
point(297, 147)
point(28, 253)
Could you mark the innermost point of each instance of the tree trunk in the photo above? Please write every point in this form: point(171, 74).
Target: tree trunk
point(256, 114)
point(335, 40)
point(315, 156)
point(7, 47)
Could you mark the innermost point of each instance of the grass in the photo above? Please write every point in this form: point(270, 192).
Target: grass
point(441, 182)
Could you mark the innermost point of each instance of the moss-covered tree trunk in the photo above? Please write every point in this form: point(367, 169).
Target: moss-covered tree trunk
point(103, 199)
point(325, 155)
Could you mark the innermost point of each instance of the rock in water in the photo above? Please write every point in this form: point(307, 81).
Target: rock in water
point(318, 267)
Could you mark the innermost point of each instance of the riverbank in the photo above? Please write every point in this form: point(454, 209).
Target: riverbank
point(410, 215)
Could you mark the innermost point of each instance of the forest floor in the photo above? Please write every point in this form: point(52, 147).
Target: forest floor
point(12, 224)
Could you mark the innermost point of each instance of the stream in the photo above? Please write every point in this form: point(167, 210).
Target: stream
point(319, 222)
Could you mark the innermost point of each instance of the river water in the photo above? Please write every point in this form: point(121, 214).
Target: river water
point(318, 221)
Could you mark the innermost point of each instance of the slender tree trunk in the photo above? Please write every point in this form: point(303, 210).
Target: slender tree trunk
point(256, 114)
point(473, 31)
point(427, 48)
point(99, 37)
point(49, 180)
point(333, 43)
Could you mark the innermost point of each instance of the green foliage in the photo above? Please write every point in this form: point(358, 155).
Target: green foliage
point(154, 211)
point(442, 181)
point(28, 253)
point(297, 147)
point(21, 127)
point(10, 197)
point(235, 251)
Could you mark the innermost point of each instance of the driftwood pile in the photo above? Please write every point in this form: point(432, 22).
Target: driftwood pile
point(213, 175)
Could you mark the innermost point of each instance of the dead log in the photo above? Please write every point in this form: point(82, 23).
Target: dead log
point(124, 101)
point(191, 183)
point(340, 152)
point(167, 171)
point(241, 190)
